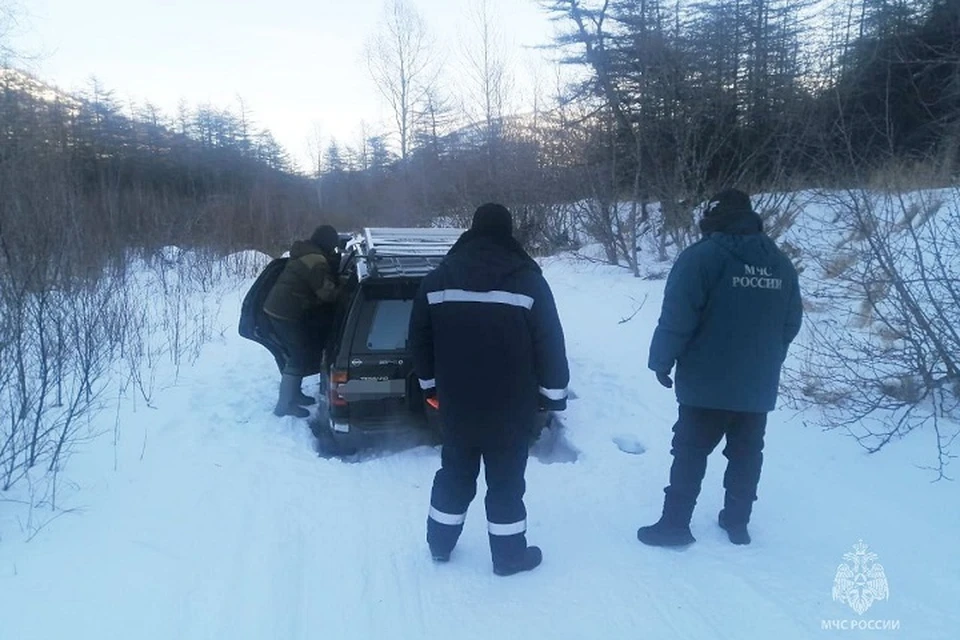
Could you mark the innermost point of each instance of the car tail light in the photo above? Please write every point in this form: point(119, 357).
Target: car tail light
point(337, 378)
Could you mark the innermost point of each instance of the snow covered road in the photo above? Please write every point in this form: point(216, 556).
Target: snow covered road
point(221, 522)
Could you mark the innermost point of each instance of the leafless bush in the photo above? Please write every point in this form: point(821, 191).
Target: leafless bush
point(597, 218)
point(545, 229)
point(669, 228)
point(171, 310)
point(780, 211)
point(58, 347)
point(884, 360)
point(92, 310)
point(62, 338)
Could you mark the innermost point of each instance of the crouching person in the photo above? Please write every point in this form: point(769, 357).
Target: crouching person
point(488, 344)
point(300, 306)
point(730, 311)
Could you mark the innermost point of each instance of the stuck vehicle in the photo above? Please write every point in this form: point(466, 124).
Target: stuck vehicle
point(368, 376)
point(368, 386)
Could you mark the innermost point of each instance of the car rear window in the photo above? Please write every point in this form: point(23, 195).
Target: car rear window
point(388, 328)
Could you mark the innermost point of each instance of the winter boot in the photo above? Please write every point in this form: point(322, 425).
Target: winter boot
point(673, 528)
point(440, 556)
point(531, 559)
point(666, 534)
point(286, 404)
point(734, 516)
point(736, 531)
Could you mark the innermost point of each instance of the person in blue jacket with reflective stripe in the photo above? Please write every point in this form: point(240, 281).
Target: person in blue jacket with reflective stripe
point(487, 343)
point(731, 309)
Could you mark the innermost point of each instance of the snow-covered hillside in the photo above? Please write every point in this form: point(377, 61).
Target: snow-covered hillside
point(24, 82)
point(213, 519)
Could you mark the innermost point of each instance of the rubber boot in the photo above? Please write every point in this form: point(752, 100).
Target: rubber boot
point(286, 403)
point(302, 399)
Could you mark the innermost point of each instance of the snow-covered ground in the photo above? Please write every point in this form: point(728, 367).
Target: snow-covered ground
point(213, 519)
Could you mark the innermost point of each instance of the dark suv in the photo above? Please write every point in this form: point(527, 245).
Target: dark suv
point(367, 374)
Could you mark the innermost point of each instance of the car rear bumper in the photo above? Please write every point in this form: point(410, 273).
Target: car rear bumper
point(385, 424)
point(371, 426)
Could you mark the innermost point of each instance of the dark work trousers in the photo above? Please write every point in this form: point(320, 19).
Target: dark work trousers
point(696, 434)
point(455, 486)
point(302, 342)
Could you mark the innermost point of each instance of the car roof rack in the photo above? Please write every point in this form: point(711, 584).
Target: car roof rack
point(384, 252)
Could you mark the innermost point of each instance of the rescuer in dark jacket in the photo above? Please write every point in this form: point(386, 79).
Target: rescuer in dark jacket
point(488, 343)
point(731, 309)
point(300, 306)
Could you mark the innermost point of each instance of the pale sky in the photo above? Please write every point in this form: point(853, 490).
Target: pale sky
point(298, 64)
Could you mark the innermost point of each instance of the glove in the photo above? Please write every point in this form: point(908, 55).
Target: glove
point(664, 378)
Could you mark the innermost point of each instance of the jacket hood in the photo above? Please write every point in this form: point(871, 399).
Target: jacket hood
point(302, 248)
point(737, 221)
point(756, 249)
point(488, 260)
point(739, 231)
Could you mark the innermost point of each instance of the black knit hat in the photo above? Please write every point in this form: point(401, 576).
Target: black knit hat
point(730, 212)
point(492, 219)
point(325, 237)
point(728, 200)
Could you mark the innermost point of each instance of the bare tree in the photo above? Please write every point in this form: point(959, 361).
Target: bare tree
point(10, 11)
point(315, 153)
point(486, 64)
point(400, 60)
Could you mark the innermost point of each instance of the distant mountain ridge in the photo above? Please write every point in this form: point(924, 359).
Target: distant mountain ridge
point(29, 84)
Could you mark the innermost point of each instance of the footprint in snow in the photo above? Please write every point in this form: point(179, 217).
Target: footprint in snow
point(629, 444)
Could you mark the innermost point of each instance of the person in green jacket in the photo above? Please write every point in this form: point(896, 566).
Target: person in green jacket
point(299, 306)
